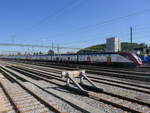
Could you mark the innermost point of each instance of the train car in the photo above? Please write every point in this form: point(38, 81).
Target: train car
point(106, 58)
point(69, 58)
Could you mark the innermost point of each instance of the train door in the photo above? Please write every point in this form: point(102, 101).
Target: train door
point(88, 60)
point(109, 60)
point(57, 59)
point(69, 59)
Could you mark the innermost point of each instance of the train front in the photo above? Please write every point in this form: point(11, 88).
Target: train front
point(132, 57)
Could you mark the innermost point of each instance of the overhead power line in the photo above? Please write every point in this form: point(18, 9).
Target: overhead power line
point(118, 18)
point(110, 20)
point(54, 13)
point(35, 46)
point(41, 46)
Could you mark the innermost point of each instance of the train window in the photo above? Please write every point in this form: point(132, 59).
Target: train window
point(69, 59)
point(57, 58)
point(88, 58)
point(127, 56)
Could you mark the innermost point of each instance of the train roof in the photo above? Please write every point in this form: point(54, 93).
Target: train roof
point(81, 53)
point(78, 54)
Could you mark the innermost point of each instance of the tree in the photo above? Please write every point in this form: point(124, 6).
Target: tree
point(125, 46)
point(50, 52)
point(18, 53)
point(93, 49)
point(40, 53)
point(35, 53)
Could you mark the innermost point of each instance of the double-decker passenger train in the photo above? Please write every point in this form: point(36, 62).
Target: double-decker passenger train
point(106, 58)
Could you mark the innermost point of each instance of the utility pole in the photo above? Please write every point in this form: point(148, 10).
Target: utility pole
point(58, 48)
point(131, 37)
point(52, 46)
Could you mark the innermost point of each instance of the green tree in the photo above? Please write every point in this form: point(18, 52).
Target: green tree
point(40, 53)
point(50, 52)
point(125, 46)
point(93, 49)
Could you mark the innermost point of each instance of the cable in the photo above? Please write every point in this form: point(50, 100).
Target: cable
point(105, 22)
point(118, 18)
point(104, 35)
point(111, 20)
point(54, 13)
point(89, 26)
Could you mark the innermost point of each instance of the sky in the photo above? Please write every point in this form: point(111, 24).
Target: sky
point(72, 23)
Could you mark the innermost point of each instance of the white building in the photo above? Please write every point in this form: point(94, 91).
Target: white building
point(113, 44)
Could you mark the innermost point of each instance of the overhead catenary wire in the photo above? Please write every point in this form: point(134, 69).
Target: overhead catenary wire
point(108, 21)
point(104, 35)
point(88, 26)
point(34, 46)
point(41, 46)
point(118, 18)
point(55, 13)
point(111, 20)
point(44, 46)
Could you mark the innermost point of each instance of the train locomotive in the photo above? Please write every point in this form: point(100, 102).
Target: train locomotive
point(106, 58)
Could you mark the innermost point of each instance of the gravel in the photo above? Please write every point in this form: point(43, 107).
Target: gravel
point(6, 102)
point(107, 108)
point(122, 92)
point(96, 104)
point(21, 98)
point(59, 104)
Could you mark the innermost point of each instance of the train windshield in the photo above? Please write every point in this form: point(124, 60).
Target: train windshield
point(138, 58)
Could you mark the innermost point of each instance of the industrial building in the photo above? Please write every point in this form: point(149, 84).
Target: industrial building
point(113, 44)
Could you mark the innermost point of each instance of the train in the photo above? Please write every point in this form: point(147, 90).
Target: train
point(105, 58)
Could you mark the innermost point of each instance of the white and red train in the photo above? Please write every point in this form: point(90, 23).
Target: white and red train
point(107, 58)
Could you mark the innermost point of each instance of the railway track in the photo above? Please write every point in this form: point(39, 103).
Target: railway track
point(57, 76)
point(97, 79)
point(139, 70)
point(111, 72)
point(25, 98)
point(115, 100)
point(128, 75)
point(110, 69)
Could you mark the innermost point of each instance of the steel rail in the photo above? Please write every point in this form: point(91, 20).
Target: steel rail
point(10, 99)
point(96, 79)
point(57, 78)
point(120, 82)
point(90, 95)
point(51, 107)
point(13, 75)
point(105, 73)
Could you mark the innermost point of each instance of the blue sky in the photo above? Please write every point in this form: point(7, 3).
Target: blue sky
point(23, 21)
